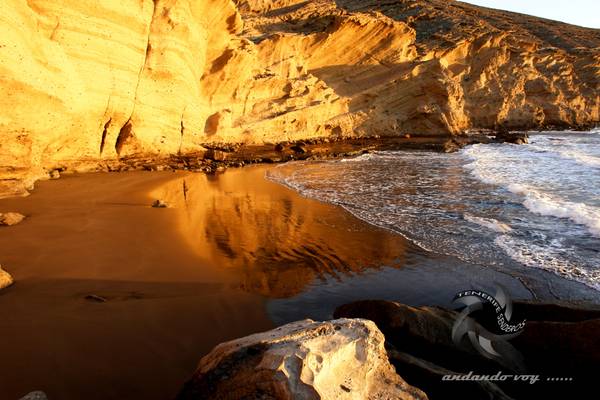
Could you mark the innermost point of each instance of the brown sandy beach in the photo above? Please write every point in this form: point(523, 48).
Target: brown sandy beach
point(96, 234)
point(176, 281)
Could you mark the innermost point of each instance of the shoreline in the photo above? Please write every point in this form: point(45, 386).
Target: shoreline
point(217, 157)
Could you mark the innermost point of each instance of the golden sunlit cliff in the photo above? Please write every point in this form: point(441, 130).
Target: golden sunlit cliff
point(86, 83)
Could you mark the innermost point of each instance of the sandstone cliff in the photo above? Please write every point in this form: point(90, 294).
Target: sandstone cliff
point(86, 83)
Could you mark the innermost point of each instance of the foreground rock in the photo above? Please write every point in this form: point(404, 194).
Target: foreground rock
point(559, 341)
point(341, 359)
point(5, 279)
point(10, 218)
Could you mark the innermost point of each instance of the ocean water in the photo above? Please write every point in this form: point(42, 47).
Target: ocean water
point(499, 205)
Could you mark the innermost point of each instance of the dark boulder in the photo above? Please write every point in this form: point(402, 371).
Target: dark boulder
point(299, 148)
point(559, 344)
point(506, 136)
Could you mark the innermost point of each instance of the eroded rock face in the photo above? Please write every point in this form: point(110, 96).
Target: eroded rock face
point(5, 279)
point(85, 83)
point(341, 359)
point(438, 67)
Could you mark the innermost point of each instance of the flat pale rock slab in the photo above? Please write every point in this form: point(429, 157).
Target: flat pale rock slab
point(344, 359)
point(10, 218)
point(5, 279)
point(35, 396)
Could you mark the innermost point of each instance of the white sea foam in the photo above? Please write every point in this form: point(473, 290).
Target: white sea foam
point(489, 223)
point(362, 157)
point(550, 258)
point(570, 150)
point(535, 208)
point(496, 166)
point(580, 157)
point(482, 160)
point(544, 204)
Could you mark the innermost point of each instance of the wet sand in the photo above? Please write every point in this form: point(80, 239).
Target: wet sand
point(96, 235)
point(234, 254)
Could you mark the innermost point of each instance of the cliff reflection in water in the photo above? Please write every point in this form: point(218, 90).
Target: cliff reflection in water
point(269, 240)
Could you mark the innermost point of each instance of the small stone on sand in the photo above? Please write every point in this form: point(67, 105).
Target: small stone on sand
point(10, 218)
point(159, 204)
point(5, 279)
point(96, 298)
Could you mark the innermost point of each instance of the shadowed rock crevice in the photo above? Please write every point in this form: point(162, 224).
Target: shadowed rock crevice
point(104, 133)
point(124, 135)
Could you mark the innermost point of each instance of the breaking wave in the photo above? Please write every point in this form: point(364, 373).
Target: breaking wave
point(500, 205)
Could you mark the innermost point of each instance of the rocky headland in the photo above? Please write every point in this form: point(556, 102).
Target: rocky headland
point(133, 84)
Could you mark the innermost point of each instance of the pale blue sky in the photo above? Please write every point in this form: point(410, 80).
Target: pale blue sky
point(577, 12)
